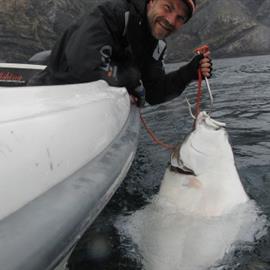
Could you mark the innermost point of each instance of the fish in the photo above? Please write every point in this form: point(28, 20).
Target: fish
point(203, 178)
point(201, 212)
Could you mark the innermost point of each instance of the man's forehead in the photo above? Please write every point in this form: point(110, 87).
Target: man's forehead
point(188, 3)
point(176, 3)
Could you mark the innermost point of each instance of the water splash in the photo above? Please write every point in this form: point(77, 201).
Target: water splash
point(168, 239)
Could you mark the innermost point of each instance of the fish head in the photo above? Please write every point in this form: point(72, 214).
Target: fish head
point(207, 147)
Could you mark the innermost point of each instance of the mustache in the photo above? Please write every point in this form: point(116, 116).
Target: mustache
point(165, 23)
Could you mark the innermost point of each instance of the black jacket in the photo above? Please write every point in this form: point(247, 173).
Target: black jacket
point(114, 43)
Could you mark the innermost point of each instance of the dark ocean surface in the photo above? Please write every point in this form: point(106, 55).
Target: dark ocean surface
point(241, 90)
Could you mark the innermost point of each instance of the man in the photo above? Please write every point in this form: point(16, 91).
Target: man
point(122, 42)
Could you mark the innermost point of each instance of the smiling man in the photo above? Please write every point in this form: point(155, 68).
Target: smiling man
point(166, 16)
point(122, 42)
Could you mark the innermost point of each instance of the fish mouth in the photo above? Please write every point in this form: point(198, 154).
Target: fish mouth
point(177, 165)
point(181, 171)
point(184, 168)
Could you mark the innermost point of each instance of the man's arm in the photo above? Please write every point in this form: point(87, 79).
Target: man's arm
point(161, 87)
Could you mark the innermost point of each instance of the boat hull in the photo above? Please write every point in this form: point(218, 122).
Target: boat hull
point(60, 164)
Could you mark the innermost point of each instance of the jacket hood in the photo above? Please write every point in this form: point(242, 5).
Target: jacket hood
point(139, 5)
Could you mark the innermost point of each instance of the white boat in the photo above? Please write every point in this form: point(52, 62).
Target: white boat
point(64, 151)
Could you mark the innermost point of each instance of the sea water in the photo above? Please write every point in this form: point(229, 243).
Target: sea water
point(241, 90)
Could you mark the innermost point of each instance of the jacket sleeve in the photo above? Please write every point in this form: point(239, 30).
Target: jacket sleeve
point(85, 51)
point(161, 87)
point(76, 56)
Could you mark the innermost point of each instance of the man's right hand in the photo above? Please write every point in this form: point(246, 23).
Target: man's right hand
point(202, 61)
point(139, 95)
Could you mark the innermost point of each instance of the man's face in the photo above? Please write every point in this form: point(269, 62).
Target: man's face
point(166, 16)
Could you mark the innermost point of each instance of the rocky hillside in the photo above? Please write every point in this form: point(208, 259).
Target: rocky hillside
point(230, 27)
point(30, 26)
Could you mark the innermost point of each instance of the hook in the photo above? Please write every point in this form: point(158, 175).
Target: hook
point(189, 108)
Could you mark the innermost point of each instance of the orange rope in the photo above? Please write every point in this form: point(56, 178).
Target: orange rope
point(198, 105)
point(154, 137)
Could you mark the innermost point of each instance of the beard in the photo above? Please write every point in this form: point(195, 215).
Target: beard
point(160, 27)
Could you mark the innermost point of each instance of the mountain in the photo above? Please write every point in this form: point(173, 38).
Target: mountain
point(30, 26)
point(229, 27)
